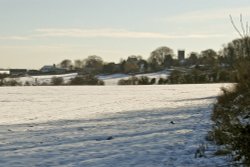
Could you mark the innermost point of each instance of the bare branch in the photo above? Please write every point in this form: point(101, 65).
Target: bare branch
point(236, 29)
point(242, 26)
point(247, 29)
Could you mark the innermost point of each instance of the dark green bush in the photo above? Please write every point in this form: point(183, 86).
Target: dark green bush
point(162, 81)
point(86, 80)
point(130, 81)
point(123, 82)
point(143, 80)
point(232, 117)
point(11, 82)
point(57, 81)
point(153, 81)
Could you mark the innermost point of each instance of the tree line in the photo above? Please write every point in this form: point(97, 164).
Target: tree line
point(159, 59)
point(208, 66)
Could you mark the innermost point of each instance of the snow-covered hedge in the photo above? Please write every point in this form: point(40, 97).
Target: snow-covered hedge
point(232, 120)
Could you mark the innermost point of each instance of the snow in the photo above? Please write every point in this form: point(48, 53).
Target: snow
point(114, 78)
point(107, 126)
point(44, 78)
point(4, 72)
point(108, 79)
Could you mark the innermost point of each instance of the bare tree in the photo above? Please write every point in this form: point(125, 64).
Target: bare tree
point(66, 64)
point(244, 31)
point(158, 57)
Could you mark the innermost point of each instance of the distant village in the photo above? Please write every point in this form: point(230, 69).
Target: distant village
point(57, 69)
point(66, 69)
point(208, 66)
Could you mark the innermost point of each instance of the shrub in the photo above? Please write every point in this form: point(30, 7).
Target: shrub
point(86, 80)
point(12, 82)
point(1, 82)
point(153, 81)
point(130, 81)
point(42, 84)
point(143, 80)
point(232, 125)
point(122, 82)
point(27, 83)
point(2, 76)
point(222, 152)
point(162, 81)
point(77, 81)
point(100, 82)
point(57, 81)
point(224, 76)
point(174, 77)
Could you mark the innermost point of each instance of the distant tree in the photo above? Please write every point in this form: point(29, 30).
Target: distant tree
point(234, 51)
point(122, 63)
point(131, 67)
point(168, 61)
point(209, 57)
point(111, 68)
point(66, 64)
point(132, 64)
point(224, 76)
point(108, 68)
point(93, 64)
point(199, 76)
point(174, 78)
point(78, 64)
point(157, 58)
point(192, 59)
point(143, 65)
point(2, 76)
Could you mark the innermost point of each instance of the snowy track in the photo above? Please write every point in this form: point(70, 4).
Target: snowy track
point(106, 126)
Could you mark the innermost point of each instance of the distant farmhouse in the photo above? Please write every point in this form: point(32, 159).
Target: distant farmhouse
point(45, 70)
point(52, 69)
point(18, 72)
point(23, 72)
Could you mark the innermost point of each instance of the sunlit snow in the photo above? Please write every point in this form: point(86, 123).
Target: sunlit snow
point(114, 78)
point(107, 126)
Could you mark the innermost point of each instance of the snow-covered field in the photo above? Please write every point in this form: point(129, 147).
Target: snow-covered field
point(108, 79)
point(4, 72)
point(114, 78)
point(44, 78)
point(108, 126)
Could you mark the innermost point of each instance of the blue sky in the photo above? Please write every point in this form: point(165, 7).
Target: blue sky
point(38, 32)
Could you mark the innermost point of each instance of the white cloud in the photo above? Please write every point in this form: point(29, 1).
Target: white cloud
point(22, 38)
point(115, 33)
point(105, 33)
